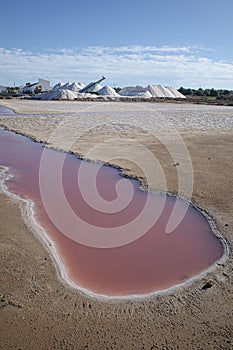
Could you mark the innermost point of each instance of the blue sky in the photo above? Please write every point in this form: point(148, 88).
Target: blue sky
point(172, 42)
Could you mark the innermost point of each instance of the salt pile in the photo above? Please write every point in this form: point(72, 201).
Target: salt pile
point(69, 86)
point(151, 91)
point(108, 91)
point(145, 94)
point(161, 91)
point(176, 93)
point(67, 91)
point(71, 91)
point(59, 94)
point(132, 91)
point(75, 86)
point(57, 86)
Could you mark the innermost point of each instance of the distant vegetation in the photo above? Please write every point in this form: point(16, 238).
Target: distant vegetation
point(215, 96)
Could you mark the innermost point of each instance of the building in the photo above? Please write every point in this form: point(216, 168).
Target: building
point(3, 89)
point(41, 86)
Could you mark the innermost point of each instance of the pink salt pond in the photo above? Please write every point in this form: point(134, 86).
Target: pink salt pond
point(138, 258)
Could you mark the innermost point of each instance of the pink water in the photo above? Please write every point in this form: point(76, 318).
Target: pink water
point(153, 262)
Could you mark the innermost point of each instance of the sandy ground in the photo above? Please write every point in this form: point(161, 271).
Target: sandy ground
point(39, 311)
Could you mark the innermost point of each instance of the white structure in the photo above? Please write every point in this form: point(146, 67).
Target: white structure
point(41, 86)
point(2, 88)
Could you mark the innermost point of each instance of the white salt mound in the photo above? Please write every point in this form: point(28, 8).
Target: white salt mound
point(60, 94)
point(132, 91)
point(108, 91)
point(75, 86)
point(57, 86)
point(164, 91)
point(176, 93)
point(70, 91)
point(69, 86)
point(145, 94)
point(167, 92)
point(65, 86)
point(155, 90)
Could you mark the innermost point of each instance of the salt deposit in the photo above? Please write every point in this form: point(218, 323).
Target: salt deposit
point(92, 87)
point(166, 92)
point(76, 86)
point(145, 94)
point(69, 86)
point(66, 86)
point(151, 91)
point(161, 91)
point(108, 91)
point(58, 86)
point(59, 94)
point(70, 91)
point(132, 91)
point(176, 93)
point(155, 90)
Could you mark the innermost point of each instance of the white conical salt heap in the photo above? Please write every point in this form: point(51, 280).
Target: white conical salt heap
point(69, 86)
point(57, 86)
point(176, 93)
point(108, 91)
point(164, 91)
point(75, 86)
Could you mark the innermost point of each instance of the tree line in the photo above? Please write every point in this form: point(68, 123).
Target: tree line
point(219, 94)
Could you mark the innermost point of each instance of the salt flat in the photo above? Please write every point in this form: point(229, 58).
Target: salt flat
point(187, 318)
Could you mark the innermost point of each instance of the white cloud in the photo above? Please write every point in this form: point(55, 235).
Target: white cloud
point(126, 65)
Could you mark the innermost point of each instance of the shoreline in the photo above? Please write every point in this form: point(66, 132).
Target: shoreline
point(28, 214)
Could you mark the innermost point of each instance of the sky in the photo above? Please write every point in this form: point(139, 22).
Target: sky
point(131, 42)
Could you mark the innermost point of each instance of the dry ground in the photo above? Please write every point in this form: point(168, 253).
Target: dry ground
point(38, 311)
